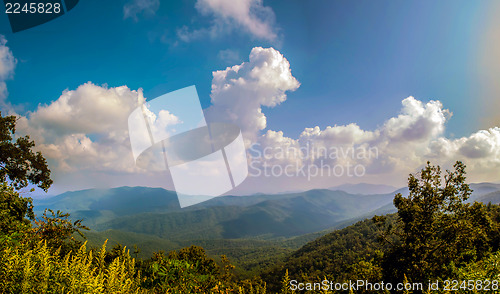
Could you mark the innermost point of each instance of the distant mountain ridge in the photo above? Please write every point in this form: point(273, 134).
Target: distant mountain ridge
point(251, 230)
point(99, 205)
point(246, 217)
point(156, 211)
point(365, 189)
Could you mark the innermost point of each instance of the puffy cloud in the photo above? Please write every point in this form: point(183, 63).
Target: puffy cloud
point(160, 124)
point(88, 109)
point(7, 65)
point(239, 92)
point(135, 7)
point(399, 146)
point(482, 144)
point(480, 151)
point(417, 122)
point(403, 141)
point(337, 135)
point(274, 148)
point(85, 129)
point(7, 60)
point(250, 15)
point(346, 144)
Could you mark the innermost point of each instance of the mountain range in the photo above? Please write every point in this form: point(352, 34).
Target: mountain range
point(233, 225)
point(156, 211)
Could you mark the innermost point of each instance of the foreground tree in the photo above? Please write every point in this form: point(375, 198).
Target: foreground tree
point(19, 164)
point(436, 231)
point(15, 212)
point(19, 167)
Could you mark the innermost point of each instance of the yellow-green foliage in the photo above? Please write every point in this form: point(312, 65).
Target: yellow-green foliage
point(285, 284)
point(38, 270)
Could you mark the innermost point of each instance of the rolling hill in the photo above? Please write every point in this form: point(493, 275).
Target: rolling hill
point(365, 189)
point(253, 231)
point(100, 205)
point(155, 211)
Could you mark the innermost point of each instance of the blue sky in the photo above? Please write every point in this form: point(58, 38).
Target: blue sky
point(355, 60)
point(344, 53)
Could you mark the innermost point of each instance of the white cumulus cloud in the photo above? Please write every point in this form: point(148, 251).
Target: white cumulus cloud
point(417, 122)
point(7, 65)
point(347, 134)
point(398, 147)
point(239, 92)
point(85, 129)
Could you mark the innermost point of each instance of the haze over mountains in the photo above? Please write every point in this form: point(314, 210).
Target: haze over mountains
point(366, 189)
point(156, 211)
point(251, 230)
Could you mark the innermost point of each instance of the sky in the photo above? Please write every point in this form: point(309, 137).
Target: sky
point(416, 80)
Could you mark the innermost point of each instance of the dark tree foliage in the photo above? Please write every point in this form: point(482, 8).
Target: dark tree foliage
point(434, 235)
point(19, 167)
point(19, 164)
point(197, 255)
point(13, 211)
point(436, 231)
point(58, 230)
point(189, 267)
point(347, 254)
